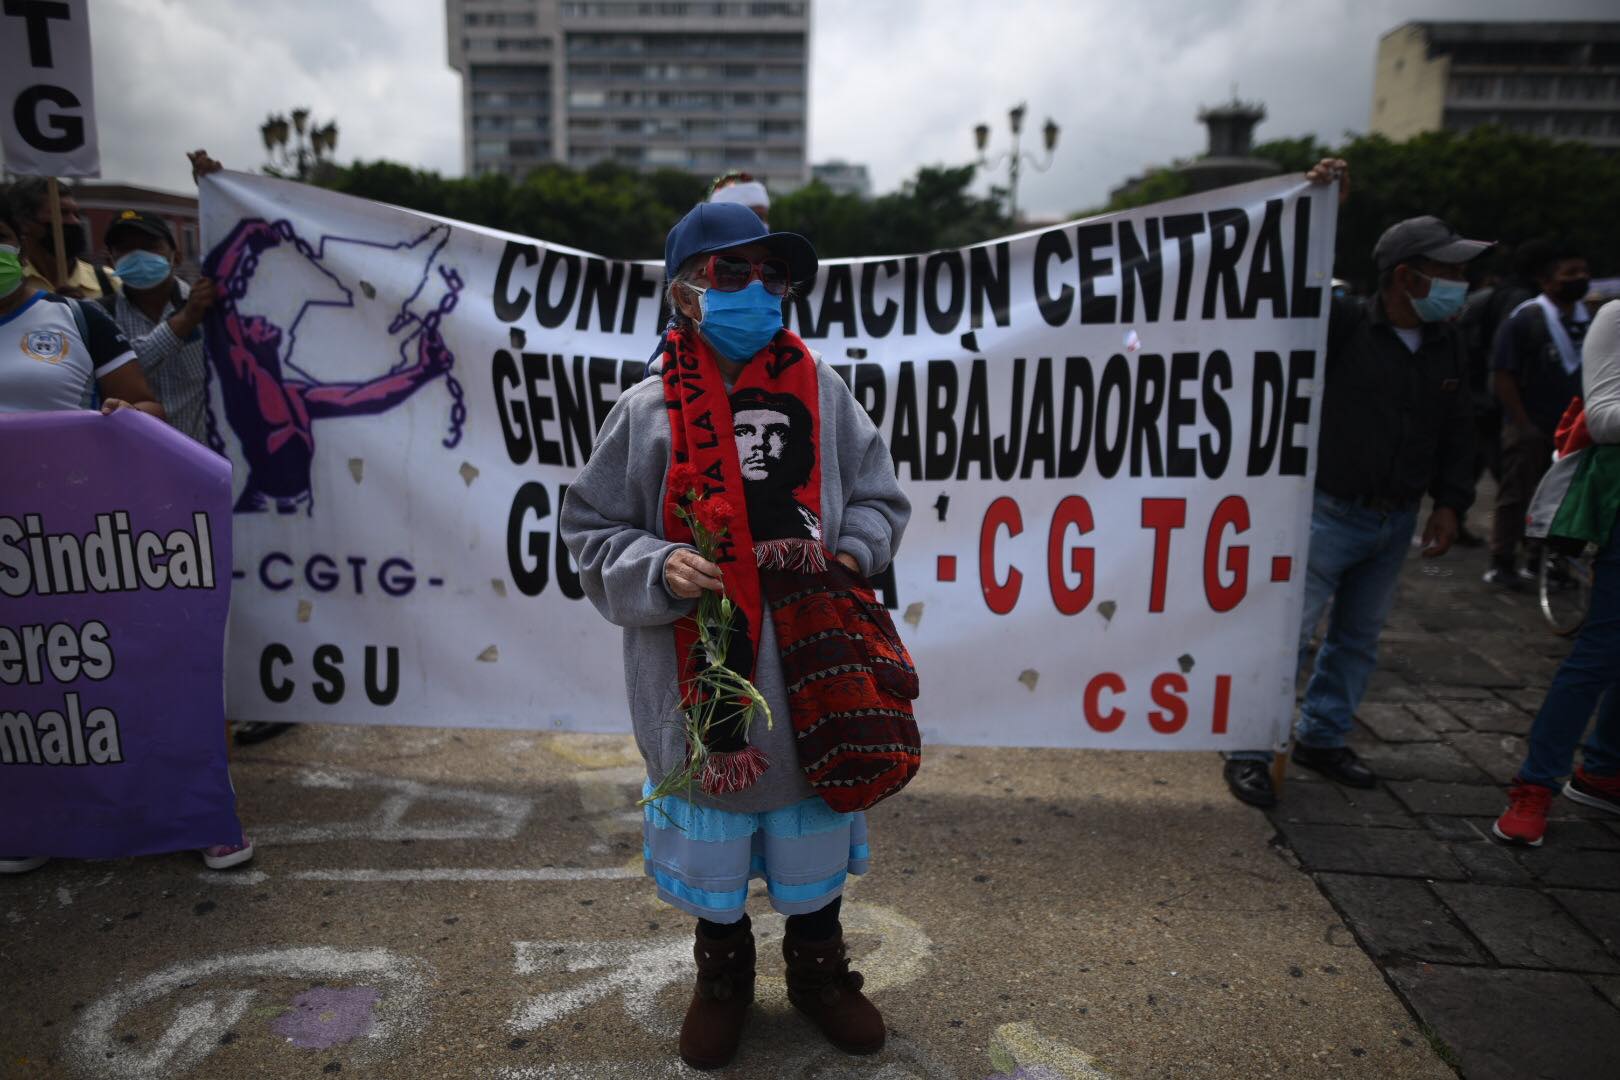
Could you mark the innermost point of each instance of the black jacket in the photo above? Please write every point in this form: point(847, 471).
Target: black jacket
point(1395, 424)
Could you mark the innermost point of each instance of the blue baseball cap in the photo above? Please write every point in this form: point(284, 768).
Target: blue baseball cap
point(711, 227)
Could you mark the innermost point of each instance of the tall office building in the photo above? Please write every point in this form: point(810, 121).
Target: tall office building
point(702, 86)
point(1557, 79)
point(844, 178)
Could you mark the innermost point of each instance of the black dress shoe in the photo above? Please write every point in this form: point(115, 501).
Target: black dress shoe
point(1338, 763)
point(249, 732)
point(1250, 782)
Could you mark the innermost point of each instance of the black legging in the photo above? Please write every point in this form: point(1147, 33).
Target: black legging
point(816, 926)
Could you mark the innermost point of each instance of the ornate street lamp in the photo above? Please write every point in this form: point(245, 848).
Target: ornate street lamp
point(299, 147)
point(1016, 158)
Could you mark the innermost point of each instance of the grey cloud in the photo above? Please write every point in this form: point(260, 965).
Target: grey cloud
point(172, 77)
point(1125, 81)
point(893, 84)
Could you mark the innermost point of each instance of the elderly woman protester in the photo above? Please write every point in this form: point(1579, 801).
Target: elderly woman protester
point(807, 474)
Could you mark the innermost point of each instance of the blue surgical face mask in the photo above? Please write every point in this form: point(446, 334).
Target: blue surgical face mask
point(739, 324)
point(143, 269)
point(1445, 299)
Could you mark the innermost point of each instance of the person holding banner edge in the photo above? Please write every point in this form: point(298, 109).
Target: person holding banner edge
point(64, 343)
point(815, 478)
point(1397, 423)
point(31, 203)
point(161, 315)
point(245, 732)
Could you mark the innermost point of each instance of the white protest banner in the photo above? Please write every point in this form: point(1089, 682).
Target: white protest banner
point(1107, 429)
point(48, 126)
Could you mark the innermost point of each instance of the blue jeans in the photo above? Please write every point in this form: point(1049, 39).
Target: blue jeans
point(1354, 564)
point(1591, 671)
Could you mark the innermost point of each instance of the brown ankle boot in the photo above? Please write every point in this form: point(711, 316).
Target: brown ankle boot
point(725, 989)
point(821, 986)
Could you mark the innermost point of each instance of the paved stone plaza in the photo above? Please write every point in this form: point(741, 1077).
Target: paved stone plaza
point(460, 903)
point(1510, 956)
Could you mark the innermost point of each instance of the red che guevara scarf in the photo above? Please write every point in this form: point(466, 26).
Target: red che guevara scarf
point(754, 456)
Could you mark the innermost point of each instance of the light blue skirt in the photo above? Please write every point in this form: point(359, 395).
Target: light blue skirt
point(702, 858)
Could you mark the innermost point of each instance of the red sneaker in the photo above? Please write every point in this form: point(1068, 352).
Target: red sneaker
point(1525, 821)
point(1602, 792)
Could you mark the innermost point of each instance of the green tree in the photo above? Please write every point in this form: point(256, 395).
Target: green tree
point(1486, 183)
point(607, 209)
point(612, 210)
point(1157, 186)
point(1292, 155)
point(932, 210)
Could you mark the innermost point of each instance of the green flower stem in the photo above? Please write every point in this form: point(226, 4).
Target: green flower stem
point(714, 685)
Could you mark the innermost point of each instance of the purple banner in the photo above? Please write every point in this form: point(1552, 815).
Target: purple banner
point(115, 582)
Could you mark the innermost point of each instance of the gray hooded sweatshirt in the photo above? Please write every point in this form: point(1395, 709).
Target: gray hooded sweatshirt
point(613, 522)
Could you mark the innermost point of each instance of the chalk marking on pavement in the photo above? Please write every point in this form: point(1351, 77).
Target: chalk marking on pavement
point(323, 1017)
point(593, 751)
point(604, 1070)
point(196, 1029)
point(1019, 1048)
point(479, 815)
point(607, 795)
point(233, 877)
point(457, 873)
point(639, 970)
point(64, 896)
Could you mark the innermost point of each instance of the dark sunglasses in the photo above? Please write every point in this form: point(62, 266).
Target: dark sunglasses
point(732, 273)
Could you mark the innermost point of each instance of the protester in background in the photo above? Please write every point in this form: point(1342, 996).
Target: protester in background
point(245, 732)
point(53, 347)
point(759, 817)
point(743, 189)
point(62, 344)
point(31, 203)
point(1487, 309)
point(160, 315)
point(1397, 424)
point(1592, 670)
point(1537, 362)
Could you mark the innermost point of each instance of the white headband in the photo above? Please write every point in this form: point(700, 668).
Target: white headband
point(745, 192)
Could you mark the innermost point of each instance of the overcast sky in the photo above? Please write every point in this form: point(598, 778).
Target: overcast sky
point(894, 84)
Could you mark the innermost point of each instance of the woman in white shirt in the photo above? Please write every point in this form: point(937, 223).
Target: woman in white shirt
point(1589, 677)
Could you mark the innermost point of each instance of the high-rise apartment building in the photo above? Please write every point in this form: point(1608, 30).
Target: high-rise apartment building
point(844, 178)
point(700, 85)
point(1557, 79)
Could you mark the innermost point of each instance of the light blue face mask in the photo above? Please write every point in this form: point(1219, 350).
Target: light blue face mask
point(143, 269)
point(1445, 299)
point(739, 324)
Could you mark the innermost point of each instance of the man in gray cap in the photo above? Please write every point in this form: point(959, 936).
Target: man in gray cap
point(1397, 424)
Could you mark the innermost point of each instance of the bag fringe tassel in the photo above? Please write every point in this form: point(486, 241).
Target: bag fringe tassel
point(733, 770)
point(805, 556)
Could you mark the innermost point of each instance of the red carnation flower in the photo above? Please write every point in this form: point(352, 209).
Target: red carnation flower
point(714, 514)
point(683, 480)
